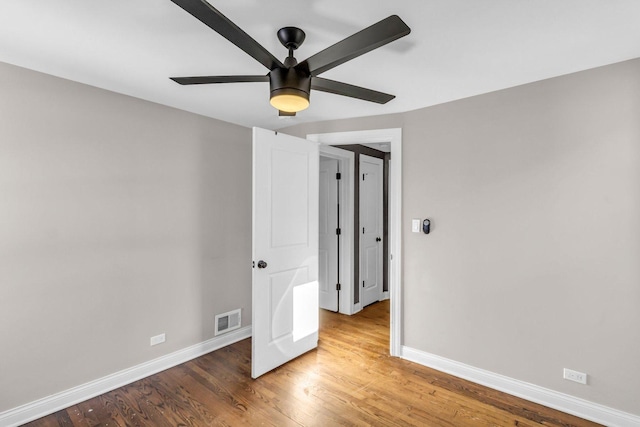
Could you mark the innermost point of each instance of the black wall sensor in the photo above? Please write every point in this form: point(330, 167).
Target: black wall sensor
point(426, 226)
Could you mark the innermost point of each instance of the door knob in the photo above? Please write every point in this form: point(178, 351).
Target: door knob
point(378, 239)
point(262, 264)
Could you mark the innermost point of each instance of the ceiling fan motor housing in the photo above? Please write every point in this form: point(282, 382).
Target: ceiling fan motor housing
point(290, 81)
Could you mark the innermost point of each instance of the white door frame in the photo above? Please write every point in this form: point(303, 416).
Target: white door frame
point(394, 137)
point(346, 162)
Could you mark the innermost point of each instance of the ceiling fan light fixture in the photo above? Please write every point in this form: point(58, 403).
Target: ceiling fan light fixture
point(290, 89)
point(289, 100)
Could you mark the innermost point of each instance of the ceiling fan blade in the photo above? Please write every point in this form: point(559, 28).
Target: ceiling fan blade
point(339, 88)
point(218, 79)
point(215, 20)
point(379, 34)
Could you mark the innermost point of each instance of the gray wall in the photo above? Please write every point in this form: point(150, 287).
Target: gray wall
point(119, 220)
point(533, 263)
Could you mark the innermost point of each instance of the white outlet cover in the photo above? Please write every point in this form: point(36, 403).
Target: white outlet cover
point(158, 339)
point(571, 375)
point(415, 225)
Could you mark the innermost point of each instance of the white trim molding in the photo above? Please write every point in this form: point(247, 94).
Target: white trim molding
point(56, 402)
point(394, 137)
point(553, 399)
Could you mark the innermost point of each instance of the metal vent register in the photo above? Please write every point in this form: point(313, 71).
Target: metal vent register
point(228, 321)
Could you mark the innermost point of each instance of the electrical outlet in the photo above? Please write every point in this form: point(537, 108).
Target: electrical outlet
point(158, 339)
point(576, 376)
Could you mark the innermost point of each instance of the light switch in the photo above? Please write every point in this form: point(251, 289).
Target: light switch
point(415, 225)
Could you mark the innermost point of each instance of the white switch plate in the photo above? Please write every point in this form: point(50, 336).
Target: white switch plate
point(576, 376)
point(158, 339)
point(415, 225)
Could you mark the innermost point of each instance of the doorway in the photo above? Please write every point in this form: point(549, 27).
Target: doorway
point(370, 220)
point(393, 137)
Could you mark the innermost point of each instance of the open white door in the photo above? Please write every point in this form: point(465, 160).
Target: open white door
point(285, 249)
point(371, 179)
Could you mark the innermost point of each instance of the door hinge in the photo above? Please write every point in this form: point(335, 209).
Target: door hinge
point(338, 175)
point(363, 283)
point(338, 231)
point(253, 264)
point(362, 230)
point(338, 287)
point(363, 177)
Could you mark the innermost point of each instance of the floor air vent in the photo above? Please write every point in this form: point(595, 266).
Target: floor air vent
point(228, 321)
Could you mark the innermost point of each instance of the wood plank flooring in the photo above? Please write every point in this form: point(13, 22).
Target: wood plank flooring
point(349, 380)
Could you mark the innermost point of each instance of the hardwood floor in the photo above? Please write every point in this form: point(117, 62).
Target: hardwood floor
point(349, 380)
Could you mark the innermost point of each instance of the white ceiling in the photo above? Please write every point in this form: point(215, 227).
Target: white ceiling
point(457, 48)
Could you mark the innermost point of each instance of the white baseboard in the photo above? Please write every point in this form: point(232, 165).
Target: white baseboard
point(385, 295)
point(553, 399)
point(48, 405)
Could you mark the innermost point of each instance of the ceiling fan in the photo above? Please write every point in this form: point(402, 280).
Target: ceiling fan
point(291, 82)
